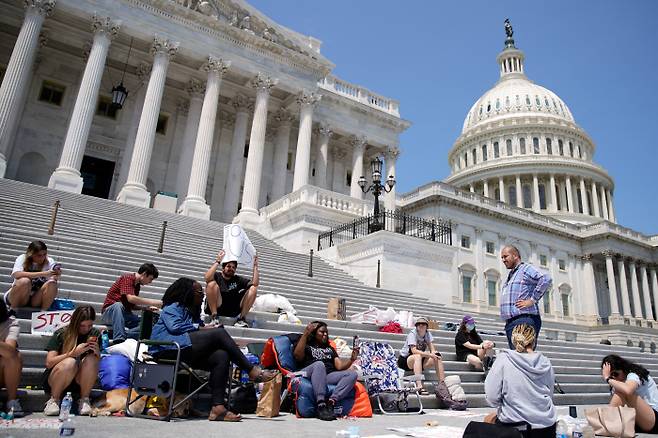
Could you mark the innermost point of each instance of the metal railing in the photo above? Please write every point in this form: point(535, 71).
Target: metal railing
point(435, 230)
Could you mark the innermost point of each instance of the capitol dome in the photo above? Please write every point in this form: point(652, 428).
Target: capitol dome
point(521, 145)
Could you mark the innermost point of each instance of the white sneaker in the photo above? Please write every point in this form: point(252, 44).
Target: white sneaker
point(84, 406)
point(15, 405)
point(52, 407)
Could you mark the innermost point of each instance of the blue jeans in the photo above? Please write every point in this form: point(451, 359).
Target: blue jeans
point(120, 319)
point(317, 374)
point(526, 318)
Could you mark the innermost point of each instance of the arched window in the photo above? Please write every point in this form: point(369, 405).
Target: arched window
point(466, 159)
point(527, 100)
point(589, 202)
point(508, 145)
point(549, 146)
point(565, 297)
point(497, 104)
point(488, 107)
point(542, 196)
point(527, 196)
point(522, 146)
point(535, 145)
point(497, 194)
point(467, 279)
point(580, 201)
point(547, 301)
point(571, 149)
point(560, 146)
point(537, 101)
point(511, 195)
point(507, 102)
point(580, 153)
point(484, 153)
point(496, 150)
point(475, 156)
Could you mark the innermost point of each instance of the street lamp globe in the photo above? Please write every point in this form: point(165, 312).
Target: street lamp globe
point(390, 181)
point(376, 166)
point(362, 182)
point(119, 94)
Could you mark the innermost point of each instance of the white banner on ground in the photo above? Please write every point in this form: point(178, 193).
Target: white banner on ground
point(238, 247)
point(45, 323)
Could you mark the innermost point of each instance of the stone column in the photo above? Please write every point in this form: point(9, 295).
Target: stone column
point(623, 285)
point(589, 302)
point(17, 75)
point(134, 191)
point(479, 295)
point(306, 101)
point(243, 106)
point(570, 194)
point(281, 147)
point(654, 285)
point(471, 188)
point(253, 172)
point(536, 205)
point(501, 189)
point(610, 206)
point(392, 155)
point(137, 106)
point(519, 192)
point(227, 123)
point(646, 293)
point(595, 200)
point(636, 290)
point(67, 175)
point(358, 148)
point(338, 154)
point(612, 286)
point(324, 134)
point(583, 196)
point(195, 202)
point(604, 203)
point(562, 193)
point(553, 205)
point(196, 90)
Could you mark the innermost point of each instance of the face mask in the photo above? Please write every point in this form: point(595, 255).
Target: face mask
point(470, 327)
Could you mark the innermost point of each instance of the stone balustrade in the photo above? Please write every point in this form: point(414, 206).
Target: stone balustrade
point(319, 197)
point(360, 94)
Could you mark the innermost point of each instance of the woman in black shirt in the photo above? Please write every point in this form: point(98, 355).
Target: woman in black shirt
point(323, 367)
point(470, 347)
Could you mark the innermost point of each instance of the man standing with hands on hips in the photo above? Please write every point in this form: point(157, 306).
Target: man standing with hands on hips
point(524, 287)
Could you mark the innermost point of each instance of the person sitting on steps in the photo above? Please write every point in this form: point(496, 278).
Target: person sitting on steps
point(123, 297)
point(419, 353)
point(323, 367)
point(229, 294)
point(35, 278)
point(632, 386)
point(11, 363)
point(210, 348)
point(520, 387)
point(470, 347)
point(72, 361)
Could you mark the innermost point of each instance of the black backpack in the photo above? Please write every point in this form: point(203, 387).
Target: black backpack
point(243, 399)
point(477, 429)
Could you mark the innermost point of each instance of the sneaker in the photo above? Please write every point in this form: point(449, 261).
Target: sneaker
point(52, 408)
point(324, 413)
point(15, 405)
point(241, 322)
point(84, 406)
point(216, 321)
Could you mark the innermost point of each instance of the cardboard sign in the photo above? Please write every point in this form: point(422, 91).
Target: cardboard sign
point(238, 247)
point(45, 323)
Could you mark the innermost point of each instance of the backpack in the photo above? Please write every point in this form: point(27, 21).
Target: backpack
point(243, 399)
point(445, 399)
point(477, 429)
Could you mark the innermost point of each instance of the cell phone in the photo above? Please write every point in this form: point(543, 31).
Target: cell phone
point(92, 339)
point(355, 342)
point(57, 267)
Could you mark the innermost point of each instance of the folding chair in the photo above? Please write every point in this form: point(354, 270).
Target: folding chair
point(380, 372)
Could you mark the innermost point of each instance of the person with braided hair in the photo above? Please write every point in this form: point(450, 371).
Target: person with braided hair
point(520, 387)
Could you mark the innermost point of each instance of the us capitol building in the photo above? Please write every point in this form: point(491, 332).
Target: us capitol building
point(211, 109)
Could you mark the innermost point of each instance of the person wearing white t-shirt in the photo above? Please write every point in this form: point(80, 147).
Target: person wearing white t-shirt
point(632, 386)
point(419, 353)
point(35, 278)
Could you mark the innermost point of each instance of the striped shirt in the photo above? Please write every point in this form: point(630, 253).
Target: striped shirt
point(523, 282)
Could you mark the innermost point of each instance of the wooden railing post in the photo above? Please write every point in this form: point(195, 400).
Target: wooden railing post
point(162, 237)
point(53, 218)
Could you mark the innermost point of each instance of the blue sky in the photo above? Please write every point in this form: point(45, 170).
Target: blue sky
point(438, 57)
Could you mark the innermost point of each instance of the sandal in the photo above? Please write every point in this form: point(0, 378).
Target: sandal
point(264, 376)
point(423, 391)
point(225, 416)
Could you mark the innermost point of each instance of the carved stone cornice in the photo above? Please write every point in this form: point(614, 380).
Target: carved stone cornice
point(307, 98)
point(358, 141)
point(324, 130)
point(283, 116)
point(586, 257)
point(217, 65)
point(263, 82)
point(42, 7)
point(242, 103)
point(608, 253)
point(195, 88)
point(163, 46)
point(105, 25)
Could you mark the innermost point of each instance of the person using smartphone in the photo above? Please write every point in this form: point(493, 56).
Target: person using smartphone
point(35, 277)
point(72, 361)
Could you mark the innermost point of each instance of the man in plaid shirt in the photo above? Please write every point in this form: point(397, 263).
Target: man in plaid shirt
point(522, 290)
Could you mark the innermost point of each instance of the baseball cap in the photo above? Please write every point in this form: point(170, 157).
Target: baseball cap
point(422, 320)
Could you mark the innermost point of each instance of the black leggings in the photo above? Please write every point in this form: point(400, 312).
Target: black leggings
point(213, 350)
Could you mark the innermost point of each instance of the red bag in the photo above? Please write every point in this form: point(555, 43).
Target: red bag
point(391, 327)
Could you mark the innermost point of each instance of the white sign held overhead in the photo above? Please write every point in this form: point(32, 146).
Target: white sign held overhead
point(45, 323)
point(238, 247)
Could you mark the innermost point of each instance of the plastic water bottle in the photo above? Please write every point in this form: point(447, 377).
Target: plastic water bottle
point(65, 408)
point(105, 342)
point(577, 430)
point(67, 428)
point(562, 430)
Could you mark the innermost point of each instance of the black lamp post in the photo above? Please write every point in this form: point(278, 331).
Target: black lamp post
point(119, 92)
point(377, 188)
